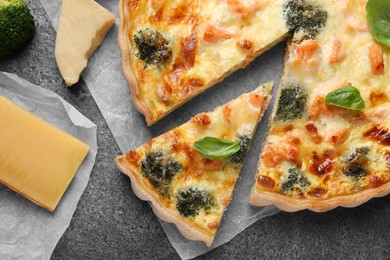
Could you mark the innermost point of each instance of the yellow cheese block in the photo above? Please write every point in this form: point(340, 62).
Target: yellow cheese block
point(82, 26)
point(36, 159)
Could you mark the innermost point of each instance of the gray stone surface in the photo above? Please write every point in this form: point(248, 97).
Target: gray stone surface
point(111, 223)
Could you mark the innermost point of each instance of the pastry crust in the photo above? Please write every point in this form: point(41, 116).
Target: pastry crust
point(142, 192)
point(265, 198)
point(135, 86)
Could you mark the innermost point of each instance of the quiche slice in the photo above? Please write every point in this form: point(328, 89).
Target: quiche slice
point(174, 50)
point(183, 186)
point(329, 140)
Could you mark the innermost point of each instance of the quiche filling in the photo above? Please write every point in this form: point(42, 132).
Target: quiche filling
point(317, 150)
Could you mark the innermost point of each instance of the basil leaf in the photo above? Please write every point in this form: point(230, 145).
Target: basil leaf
point(212, 147)
point(378, 16)
point(347, 97)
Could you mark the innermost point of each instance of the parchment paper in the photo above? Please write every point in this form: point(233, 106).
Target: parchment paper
point(28, 231)
point(110, 90)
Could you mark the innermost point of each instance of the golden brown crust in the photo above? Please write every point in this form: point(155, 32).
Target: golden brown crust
point(129, 75)
point(142, 192)
point(265, 198)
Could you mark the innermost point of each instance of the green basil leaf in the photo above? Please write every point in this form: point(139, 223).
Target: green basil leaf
point(378, 16)
point(347, 97)
point(212, 147)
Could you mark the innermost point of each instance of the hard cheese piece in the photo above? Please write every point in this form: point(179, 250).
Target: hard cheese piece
point(36, 159)
point(82, 26)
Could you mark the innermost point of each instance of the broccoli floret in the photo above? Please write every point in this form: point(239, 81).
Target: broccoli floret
point(292, 103)
point(16, 26)
point(356, 162)
point(302, 16)
point(191, 200)
point(355, 171)
point(153, 48)
point(160, 171)
point(244, 145)
point(294, 179)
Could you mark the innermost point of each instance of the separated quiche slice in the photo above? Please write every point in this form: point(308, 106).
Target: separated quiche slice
point(174, 50)
point(329, 142)
point(189, 173)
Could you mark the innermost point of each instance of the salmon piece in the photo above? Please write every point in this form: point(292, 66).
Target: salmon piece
point(316, 107)
point(338, 52)
point(227, 110)
point(338, 136)
point(380, 114)
point(255, 100)
point(308, 53)
point(275, 153)
point(245, 45)
point(313, 132)
point(319, 107)
point(244, 8)
point(306, 49)
point(202, 119)
point(376, 59)
point(214, 34)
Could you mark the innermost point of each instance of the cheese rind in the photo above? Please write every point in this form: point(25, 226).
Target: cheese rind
point(36, 159)
point(82, 26)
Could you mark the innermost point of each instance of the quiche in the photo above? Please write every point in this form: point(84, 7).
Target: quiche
point(329, 140)
point(174, 50)
point(185, 186)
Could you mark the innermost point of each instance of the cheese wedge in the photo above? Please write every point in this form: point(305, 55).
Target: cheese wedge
point(36, 159)
point(82, 26)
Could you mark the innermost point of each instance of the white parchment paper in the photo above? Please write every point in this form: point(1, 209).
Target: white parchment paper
point(110, 90)
point(28, 231)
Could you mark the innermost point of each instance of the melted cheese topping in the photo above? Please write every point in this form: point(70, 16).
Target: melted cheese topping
point(217, 177)
point(209, 40)
point(321, 144)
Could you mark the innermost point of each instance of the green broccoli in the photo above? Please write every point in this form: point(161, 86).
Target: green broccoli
point(302, 16)
point(153, 48)
point(16, 26)
point(294, 179)
point(292, 103)
point(239, 157)
point(160, 170)
point(356, 162)
point(191, 200)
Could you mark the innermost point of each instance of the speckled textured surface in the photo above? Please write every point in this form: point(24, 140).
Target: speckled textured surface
point(111, 223)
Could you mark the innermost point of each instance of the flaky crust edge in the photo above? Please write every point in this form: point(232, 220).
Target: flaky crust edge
point(266, 198)
point(141, 191)
point(128, 73)
point(134, 86)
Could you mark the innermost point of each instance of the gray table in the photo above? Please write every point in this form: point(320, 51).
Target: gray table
point(112, 223)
